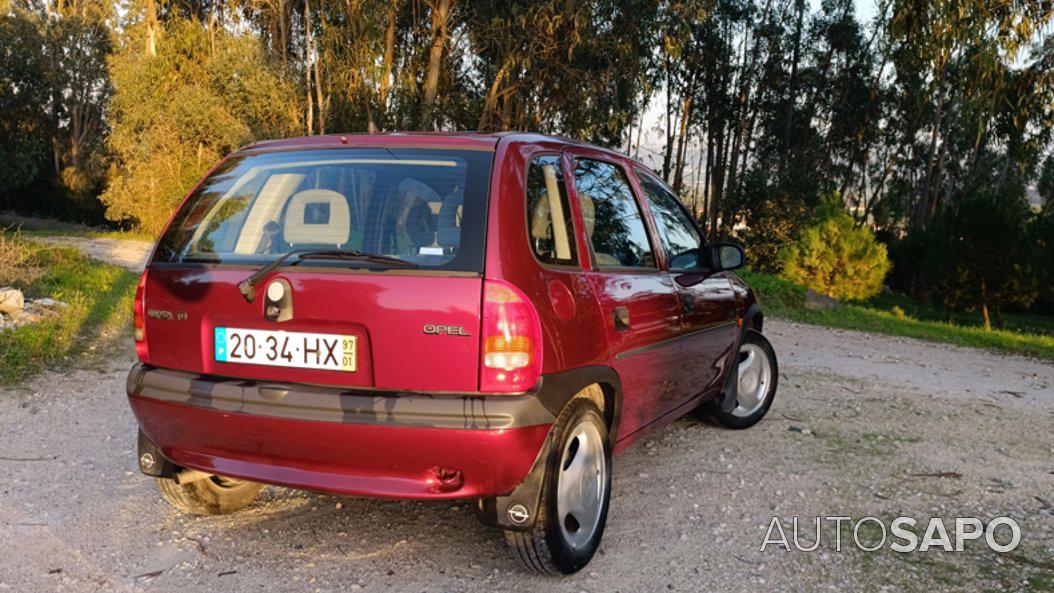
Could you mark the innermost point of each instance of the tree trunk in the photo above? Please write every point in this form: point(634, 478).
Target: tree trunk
point(491, 102)
point(440, 16)
point(792, 90)
point(695, 184)
point(923, 208)
point(743, 108)
point(707, 185)
point(307, 67)
point(678, 168)
point(667, 155)
point(151, 27)
point(283, 30)
point(984, 307)
point(320, 94)
point(718, 184)
point(386, 64)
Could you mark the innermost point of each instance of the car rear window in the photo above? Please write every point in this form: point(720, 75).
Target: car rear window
point(420, 205)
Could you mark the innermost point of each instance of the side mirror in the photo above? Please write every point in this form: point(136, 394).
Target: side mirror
point(728, 256)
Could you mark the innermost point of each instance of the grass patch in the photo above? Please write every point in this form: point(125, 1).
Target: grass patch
point(99, 313)
point(46, 227)
point(900, 316)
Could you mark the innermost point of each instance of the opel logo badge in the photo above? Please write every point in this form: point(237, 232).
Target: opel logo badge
point(147, 460)
point(518, 514)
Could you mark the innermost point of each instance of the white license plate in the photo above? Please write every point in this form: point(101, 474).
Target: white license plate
point(331, 352)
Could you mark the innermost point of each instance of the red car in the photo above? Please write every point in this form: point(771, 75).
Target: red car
point(431, 316)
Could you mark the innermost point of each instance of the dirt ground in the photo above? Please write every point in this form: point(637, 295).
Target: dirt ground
point(862, 426)
point(126, 253)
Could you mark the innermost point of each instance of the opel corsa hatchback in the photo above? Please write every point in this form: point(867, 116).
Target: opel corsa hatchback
point(485, 317)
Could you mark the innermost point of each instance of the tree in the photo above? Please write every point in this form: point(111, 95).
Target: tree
point(53, 92)
point(24, 93)
point(176, 113)
point(977, 254)
point(575, 68)
point(836, 257)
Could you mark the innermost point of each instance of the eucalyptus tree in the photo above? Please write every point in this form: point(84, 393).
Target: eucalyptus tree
point(575, 68)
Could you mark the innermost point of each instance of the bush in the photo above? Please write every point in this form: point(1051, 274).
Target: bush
point(175, 114)
point(836, 257)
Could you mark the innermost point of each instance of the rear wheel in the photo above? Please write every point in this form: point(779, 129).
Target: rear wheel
point(757, 374)
point(575, 495)
point(215, 495)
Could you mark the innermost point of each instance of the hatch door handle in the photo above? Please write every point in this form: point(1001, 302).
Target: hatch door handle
point(621, 318)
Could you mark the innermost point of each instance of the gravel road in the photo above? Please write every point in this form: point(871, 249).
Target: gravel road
point(862, 426)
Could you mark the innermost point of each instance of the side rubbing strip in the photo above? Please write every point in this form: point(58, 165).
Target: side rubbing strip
point(643, 349)
point(333, 404)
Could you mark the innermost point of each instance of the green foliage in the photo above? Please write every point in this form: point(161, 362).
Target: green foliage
point(23, 94)
point(575, 68)
point(99, 299)
point(177, 113)
point(53, 92)
point(836, 257)
point(979, 254)
point(776, 216)
point(1043, 241)
point(902, 316)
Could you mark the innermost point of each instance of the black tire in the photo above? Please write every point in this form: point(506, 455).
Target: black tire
point(736, 419)
point(214, 495)
point(545, 549)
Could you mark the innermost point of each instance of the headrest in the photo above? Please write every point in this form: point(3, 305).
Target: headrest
point(448, 231)
point(415, 218)
point(317, 217)
point(540, 220)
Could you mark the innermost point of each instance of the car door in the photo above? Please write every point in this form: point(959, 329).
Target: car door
point(708, 307)
point(636, 297)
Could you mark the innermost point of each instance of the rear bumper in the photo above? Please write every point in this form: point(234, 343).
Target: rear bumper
point(396, 445)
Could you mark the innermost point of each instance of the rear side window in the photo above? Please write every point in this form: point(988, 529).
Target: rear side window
point(423, 206)
point(611, 216)
point(679, 236)
point(549, 222)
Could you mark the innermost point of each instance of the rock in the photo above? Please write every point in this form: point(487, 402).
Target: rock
point(24, 317)
point(815, 301)
point(11, 300)
point(49, 302)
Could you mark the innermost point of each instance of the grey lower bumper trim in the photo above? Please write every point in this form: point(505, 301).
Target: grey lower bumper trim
point(334, 404)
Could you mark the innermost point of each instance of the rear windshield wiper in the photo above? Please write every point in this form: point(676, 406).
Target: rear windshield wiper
point(248, 286)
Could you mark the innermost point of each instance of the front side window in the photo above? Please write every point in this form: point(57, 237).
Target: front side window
point(427, 207)
point(549, 221)
point(611, 216)
point(679, 237)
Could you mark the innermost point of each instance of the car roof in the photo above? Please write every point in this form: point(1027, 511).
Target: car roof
point(462, 140)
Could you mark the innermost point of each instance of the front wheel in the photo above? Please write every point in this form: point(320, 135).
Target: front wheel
point(214, 495)
point(576, 492)
point(757, 374)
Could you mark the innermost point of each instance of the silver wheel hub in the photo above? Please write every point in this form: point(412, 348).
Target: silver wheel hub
point(755, 377)
point(580, 485)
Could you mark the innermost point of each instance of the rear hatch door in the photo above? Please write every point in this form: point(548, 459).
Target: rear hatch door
point(405, 327)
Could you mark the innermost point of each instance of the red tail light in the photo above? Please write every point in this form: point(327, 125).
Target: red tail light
point(139, 320)
point(511, 340)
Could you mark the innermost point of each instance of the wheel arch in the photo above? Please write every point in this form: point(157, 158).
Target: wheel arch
point(559, 389)
point(753, 319)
